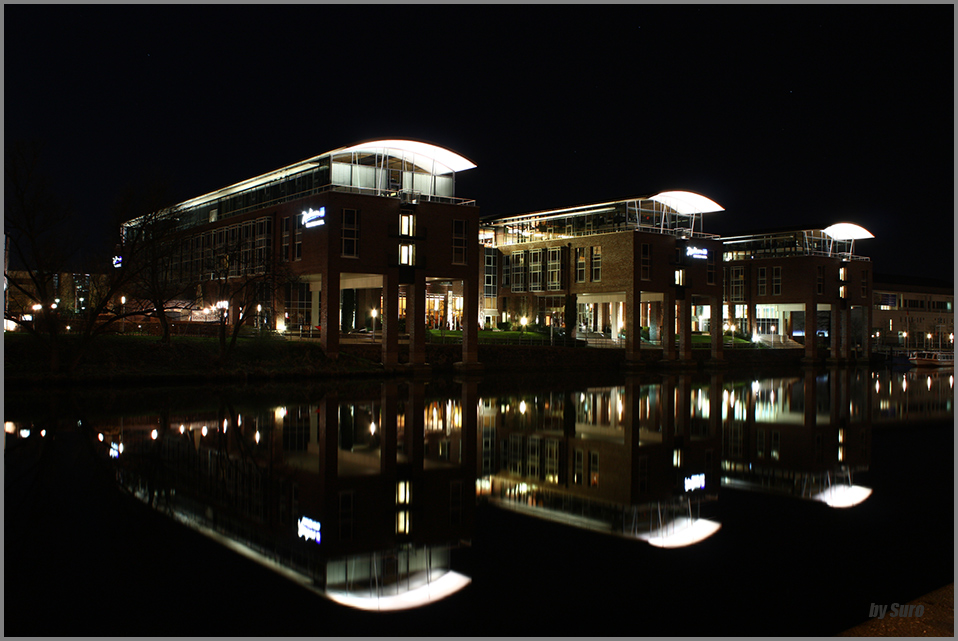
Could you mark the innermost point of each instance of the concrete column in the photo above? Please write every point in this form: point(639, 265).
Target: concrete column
point(415, 428)
point(416, 318)
point(314, 297)
point(329, 314)
point(668, 326)
point(811, 325)
point(834, 331)
point(633, 342)
point(470, 320)
point(387, 431)
point(715, 327)
point(390, 318)
point(685, 327)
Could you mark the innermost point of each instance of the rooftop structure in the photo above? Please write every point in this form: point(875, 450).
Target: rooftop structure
point(677, 213)
point(404, 169)
point(835, 241)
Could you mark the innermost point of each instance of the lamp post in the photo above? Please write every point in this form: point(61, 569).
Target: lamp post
point(522, 324)
point(122, 314)
point(374, 314)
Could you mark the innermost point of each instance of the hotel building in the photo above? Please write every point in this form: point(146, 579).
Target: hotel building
point(371, 232)
point(637, 272)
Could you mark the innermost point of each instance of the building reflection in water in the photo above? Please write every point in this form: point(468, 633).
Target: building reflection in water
point(369, 497)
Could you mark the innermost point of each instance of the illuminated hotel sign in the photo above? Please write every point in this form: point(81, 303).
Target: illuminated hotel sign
point(695, 252)
point(694, 482)
point(308, 529)
point(313, 218)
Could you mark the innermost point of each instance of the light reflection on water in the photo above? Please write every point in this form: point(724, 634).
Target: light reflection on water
point(384, 481)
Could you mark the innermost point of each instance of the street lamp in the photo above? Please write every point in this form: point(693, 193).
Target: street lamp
point(523, 322)
point(374, 313)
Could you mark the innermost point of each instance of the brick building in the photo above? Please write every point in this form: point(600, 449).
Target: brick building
point(801, 283)
point(633, 272)
point(372, 233)
point(912, 313)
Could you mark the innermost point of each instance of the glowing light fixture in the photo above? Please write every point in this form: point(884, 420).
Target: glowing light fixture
point(687, 202)
point(847, 231)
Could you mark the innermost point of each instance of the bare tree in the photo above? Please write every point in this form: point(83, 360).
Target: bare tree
point(149, 246)
point(243, 277)
point(46, 250)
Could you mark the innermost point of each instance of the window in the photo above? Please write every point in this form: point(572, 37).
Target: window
point(843, 274)
point(680, 276)
point(593, 469)
point(645, 272)
point(737, 284)
point(407, 254)
point(515, 453)
point(402, 522)
point(458, 242)
point(554, 282)
point(580, 253)
point(535, 270)
point(760, 443)
point(506, 270)
point(298, 238)
point(820, 280)
point(776, 444)
point(350, 233)
point(776, 281)
point(710, 269)
point(552, 461)
point(407, 223)
point(490, 290)
point(403, 493)
point(519, 271)
point(534, 449)
point(760, 281)
point(865, 284)
point(577, 471)
point(596, 263)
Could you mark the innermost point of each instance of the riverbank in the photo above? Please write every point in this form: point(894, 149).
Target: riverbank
point(143, 360)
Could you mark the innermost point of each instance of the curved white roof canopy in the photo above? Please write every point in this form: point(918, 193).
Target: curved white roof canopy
point(449, 583)
point(687, 202)
point(422, 154)
point(843, 495)
point(847, 231)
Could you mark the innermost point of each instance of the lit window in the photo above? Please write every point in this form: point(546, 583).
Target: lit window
point(402, 522)
point(402, 493)
point(680, 277)
point(407, 224)
point(407, 254)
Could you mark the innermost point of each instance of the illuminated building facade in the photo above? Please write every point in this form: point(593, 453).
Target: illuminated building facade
point(913, 314)
point(372, 234)
point(633, 273)
point(801, 283)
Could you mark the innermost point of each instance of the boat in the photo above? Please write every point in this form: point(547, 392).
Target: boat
point(932, 359)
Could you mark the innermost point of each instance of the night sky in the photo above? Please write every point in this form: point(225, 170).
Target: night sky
point(800, 116)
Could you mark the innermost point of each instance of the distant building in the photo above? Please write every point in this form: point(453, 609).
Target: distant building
point(909, 312)
point(373, 233)
point(630, 273)
point(801, 284)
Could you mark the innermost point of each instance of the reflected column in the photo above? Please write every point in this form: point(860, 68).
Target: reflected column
point(390, 318)
point(415, 429)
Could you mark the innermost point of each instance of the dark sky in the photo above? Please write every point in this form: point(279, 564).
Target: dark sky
point(797, 116)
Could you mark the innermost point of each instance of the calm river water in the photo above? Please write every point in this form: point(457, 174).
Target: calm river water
point(655, 504)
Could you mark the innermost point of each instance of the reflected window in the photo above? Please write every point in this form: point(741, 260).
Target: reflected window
point(593, 469)
point(577, 474)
